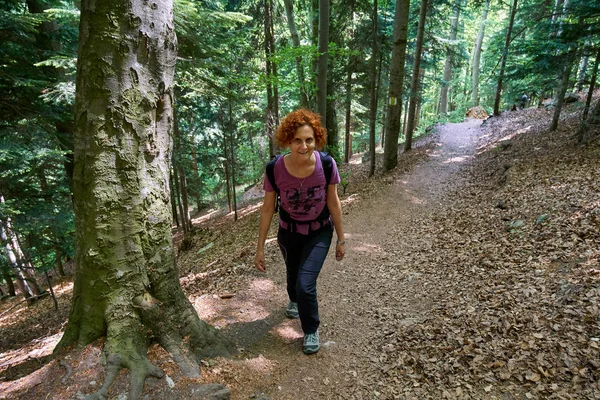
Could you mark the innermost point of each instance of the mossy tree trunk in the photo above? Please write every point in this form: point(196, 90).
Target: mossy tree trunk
point(126, 283)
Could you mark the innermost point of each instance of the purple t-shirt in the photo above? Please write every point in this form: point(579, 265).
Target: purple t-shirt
point(303, 199)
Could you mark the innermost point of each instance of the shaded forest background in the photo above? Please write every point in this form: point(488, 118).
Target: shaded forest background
point(242, 65)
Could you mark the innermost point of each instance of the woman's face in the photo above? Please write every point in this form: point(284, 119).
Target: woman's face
point(303, 144)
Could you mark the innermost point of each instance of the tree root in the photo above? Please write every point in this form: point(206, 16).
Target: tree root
point(66, 365)
point(173, 323)
point(139, 370)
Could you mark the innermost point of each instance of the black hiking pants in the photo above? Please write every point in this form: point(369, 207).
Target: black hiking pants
point(304, 256)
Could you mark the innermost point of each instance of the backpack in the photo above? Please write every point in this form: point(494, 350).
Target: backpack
point(327, 163)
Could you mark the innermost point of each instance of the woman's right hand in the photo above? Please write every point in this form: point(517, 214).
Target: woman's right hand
point(259, 261)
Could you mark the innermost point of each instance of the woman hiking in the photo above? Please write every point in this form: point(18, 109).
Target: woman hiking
point(303, 185)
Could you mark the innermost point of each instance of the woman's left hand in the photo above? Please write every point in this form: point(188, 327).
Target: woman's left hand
point(340, 251)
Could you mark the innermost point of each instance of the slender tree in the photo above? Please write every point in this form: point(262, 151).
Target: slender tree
point(323, 57)
point(396, 80)
point(584, 117)
point(373, 86)
point(271, 118)
point(449, 57)
point(477, 53)
point(415, 83)
point(511, 22)
point(126, 283)
point(590, 94)
point(289, 11)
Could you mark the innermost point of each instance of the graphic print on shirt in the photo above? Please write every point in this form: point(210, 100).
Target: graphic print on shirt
point(303, 202)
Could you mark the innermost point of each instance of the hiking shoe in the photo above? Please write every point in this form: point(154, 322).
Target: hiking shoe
point(292, 310)
point(311, 343)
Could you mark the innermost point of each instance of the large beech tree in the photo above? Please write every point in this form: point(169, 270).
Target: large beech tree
point(126, 284)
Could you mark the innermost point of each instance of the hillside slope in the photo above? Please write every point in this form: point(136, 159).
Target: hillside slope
point(472, 272)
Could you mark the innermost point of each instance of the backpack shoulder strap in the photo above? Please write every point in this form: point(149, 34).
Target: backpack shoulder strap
point(270, 170)
point(327, 162)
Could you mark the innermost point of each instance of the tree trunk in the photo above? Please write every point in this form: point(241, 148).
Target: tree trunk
point(588, 100)
point(348, 134)
point(232, 150)
point(373, 84)
point(274, 70)
point(448, 65)
point(331, 119)
point(126, 283)
point(184, 198)
point(415, 91)
point(18, 258)
point(10, 287)
point(22, 283)
point(560, 96)
point(513, 12)
point(58, 255)
point(418, 113)
point(323, 56)
point(179, 199)
point(289, 11)
point(348, 105)
point(173, 200)
point(583, 65)
point(270, 112)
point(396, 80)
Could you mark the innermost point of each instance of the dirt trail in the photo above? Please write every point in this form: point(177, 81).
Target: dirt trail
point(354, 293)
point(466, 277)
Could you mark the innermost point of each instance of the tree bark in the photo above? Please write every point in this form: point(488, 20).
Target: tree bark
point(289, 11)
point(583, 65)
point(173, 200)
point(513, 12)
point(270, 113)
point(58, 256)
point(590, 94)
point(396, 80)
point(179, 198)
point(184, 198)
point(232, 149)
point(322, 61)
point(477, 53)
point(560, 96)
point(348, 125)
point(126, 283)
point(449, 57)
point(8, 279)
point(373, 85)
point(22, 283)
point(415, 91)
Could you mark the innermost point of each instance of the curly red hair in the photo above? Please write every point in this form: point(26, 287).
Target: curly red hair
point(296, 119)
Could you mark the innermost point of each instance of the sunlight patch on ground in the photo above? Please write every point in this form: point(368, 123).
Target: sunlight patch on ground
point(507, 138)
point(37, 348)
point(246, 210)
point(367, 248)
point(236, 308)
point(63, 288)
point(206, 217)
point(456, 160)
point(260, 364)
point(15, 312)
point(288, 331)
point(350, 199)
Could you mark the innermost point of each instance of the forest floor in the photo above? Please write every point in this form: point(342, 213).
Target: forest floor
point(472, 272)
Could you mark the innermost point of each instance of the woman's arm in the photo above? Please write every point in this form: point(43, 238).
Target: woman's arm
point(266, 215)
point(335, 209)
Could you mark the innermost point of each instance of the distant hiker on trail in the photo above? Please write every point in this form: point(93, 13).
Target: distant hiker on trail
point(303, 186)
point(524, 100)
